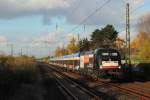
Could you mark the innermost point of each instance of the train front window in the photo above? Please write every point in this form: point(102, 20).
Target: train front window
point(114, 54)
point(106, 56)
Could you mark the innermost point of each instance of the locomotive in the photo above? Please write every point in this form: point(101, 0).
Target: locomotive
point(101, 62)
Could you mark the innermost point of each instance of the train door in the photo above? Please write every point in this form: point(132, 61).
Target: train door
point(91, 60)
point(81, 62)
point(84, 61)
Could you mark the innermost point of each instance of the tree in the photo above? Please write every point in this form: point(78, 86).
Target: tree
point(60, 51)
point(142, 42)
point(105, 37)
point(120, 45)
point(138, 41)
point(144, 53)
point(141, 46)
point(84, 44)
point(72, 46)
point(64, 51)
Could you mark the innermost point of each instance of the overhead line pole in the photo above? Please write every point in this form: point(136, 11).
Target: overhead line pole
point(84, 28)
point(128, 48)
point(21, 52)
point(12, 50)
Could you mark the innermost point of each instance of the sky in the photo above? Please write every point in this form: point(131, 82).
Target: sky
point(37, 27)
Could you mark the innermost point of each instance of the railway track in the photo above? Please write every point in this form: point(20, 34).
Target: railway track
point(71, 89)
point(142, 95)
point(139, 88)
point(136, 91)
point(66, 91)
point(141, 85)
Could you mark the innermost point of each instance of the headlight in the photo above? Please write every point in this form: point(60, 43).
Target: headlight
point(119, 67)
point(100, 67)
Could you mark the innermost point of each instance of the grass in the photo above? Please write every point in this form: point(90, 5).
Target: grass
point(16, 72)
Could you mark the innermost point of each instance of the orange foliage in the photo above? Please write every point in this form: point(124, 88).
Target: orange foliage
point(142, 44)
point(137, 42)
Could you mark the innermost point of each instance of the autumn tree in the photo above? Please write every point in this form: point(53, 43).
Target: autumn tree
point(64, 51)
point(142, 46)
point(60, 51)
point(138, 41)
point(143, 39)
point(72, 47)
point(144, 53)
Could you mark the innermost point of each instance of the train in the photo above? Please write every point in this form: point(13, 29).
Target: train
point(101, 62)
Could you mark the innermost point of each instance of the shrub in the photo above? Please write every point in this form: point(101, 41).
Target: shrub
point(142, 71)
point(145, 67)
point(15, 71)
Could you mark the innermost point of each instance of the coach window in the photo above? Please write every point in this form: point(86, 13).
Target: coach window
point(91, 62)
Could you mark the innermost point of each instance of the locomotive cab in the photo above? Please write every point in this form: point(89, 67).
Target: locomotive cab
point(108, 62)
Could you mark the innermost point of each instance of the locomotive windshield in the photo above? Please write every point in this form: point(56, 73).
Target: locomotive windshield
point(106, 56)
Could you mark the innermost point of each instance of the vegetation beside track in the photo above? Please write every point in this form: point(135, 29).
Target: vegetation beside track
point(18, 78)
point(142, 71)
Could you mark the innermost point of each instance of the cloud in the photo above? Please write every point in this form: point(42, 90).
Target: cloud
point(137, 2)
point(73, 10)
point(47, 39)
point(54, 39)
point(15, 8)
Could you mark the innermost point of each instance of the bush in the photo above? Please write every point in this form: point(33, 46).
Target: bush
point(142, 71)
point(145, 67)
point(15, 71)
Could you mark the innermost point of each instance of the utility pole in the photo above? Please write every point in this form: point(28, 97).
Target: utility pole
point(49, 49)
point(128, 50)
point(78, 41)
point(56, 27)
point(12, 51)
point(21, 52)
point(84, 29)
point(78, 37)
point(27, 52)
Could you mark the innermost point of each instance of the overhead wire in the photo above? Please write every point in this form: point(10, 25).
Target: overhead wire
point(89, 16)
point(75, 8)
